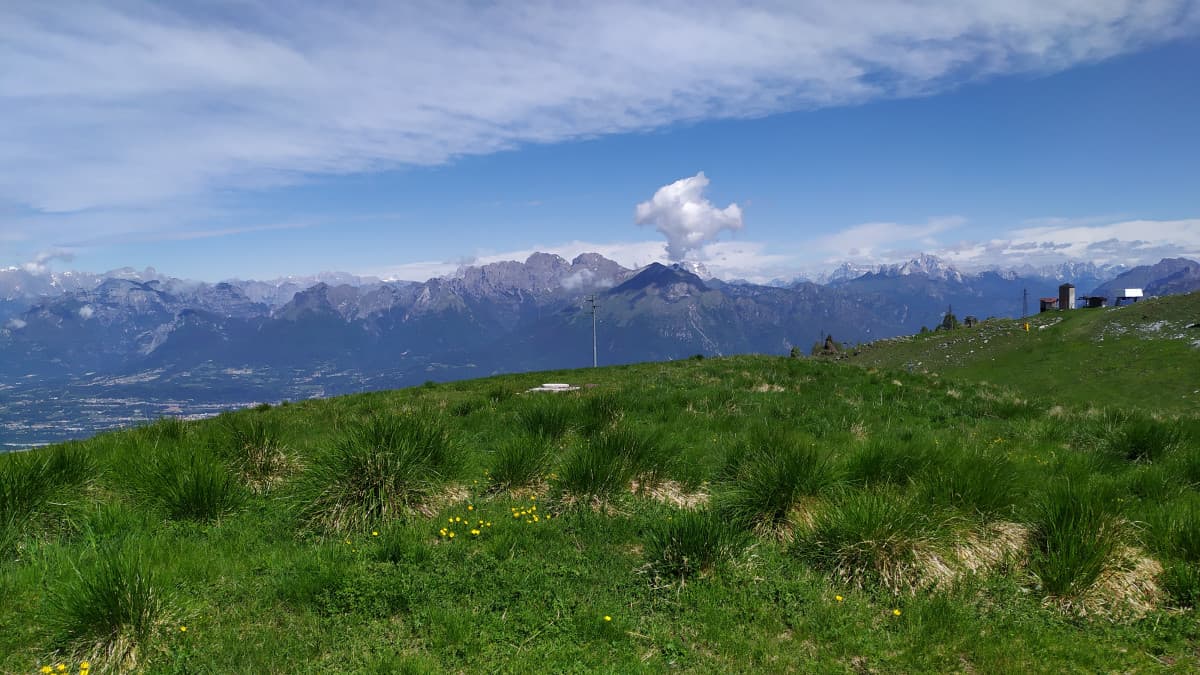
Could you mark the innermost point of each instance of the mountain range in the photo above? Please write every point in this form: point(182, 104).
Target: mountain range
point(129, 335)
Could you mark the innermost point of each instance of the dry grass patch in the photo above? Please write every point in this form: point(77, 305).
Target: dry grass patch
point(1127, 589)
point(671, 492)
point(998, 545)
point(443, 499)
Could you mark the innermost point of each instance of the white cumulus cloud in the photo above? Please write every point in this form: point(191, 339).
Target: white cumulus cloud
point(86, 312)
point(685, 217)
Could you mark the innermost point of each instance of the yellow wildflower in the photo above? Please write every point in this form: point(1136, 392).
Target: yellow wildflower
point(183, 629)
point(838, 598)
point(47, 669)
point(607, 617)
point(374, 533)
point(896, 612)
point(470, 507)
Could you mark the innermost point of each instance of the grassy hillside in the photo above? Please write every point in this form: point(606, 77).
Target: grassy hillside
point(741, 514)
point(1143, 355)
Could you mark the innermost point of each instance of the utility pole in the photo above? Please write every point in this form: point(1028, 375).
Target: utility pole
point(1024, 302)
point(591, 300)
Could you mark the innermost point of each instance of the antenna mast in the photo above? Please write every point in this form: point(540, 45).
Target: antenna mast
point(591, 300)
point(1024, 302)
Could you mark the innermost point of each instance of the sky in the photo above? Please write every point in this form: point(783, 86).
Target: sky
point(763, 139)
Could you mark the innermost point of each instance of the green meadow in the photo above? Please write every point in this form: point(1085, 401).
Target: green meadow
point(1144, 355)
point(742, 514)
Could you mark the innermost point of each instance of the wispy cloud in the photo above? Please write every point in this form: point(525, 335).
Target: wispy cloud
point(1132, 242)
point(181, 235)
point(134, 103)
point(41, 262)
point(874, 242)
point(1096, 239)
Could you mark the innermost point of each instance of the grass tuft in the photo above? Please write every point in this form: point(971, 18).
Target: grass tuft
point(874, 539)
point(190, 484)
point(1144, 439)
point(690, 543)
point(983, 484)
point(254, 447)
point(599, 412)
point(1181, 582)
point(1175, 530)
point(770, 477)
point(376, 473)
point(891, 460)
point(1074, 538)
point(109, 611)
point(30, 481)
point(549, 416)
point(519, 462)
point(599, 468)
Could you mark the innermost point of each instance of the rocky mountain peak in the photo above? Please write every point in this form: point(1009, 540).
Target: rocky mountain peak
point(673, 281)
point(925, 265)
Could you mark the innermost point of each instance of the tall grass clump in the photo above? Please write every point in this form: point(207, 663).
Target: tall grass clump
point(519, 461)
point(1181, 581)
point(1186, 464)
point(1144, 439)
point(892, 460)
point(29, 482)
point(108, 611)
point(873, 539)
point(24, 486)
point(1074, 537)
point(1175, 530)
point(690, 543)
point(163, 431)
point(600, 467)
point(547, 415)
point(499, 393)
point(378, 472)
point(984, 485)
point(769, 477)
point(189, 484)
point(599, 412)
point(254, 447)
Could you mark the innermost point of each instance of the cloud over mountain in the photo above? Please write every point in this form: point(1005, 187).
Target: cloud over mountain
point(685, 217)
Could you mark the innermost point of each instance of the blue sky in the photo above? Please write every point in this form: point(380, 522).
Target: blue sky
point(222, 140)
